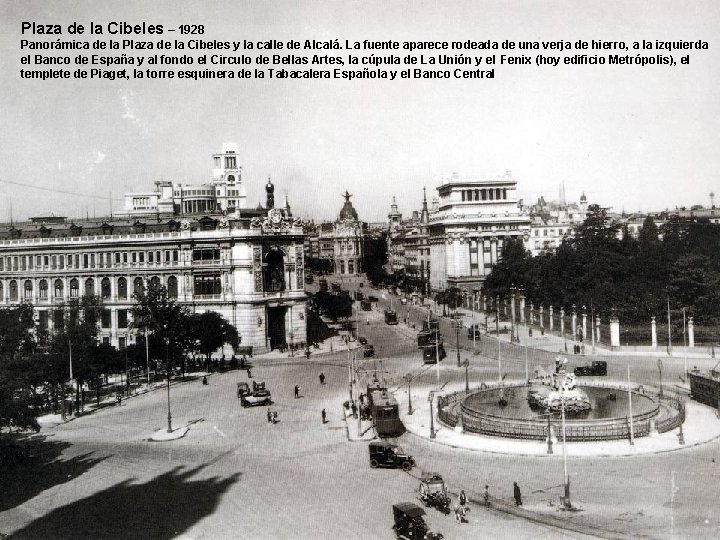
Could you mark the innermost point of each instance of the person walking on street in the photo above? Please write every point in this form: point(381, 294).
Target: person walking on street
point(249, 373)
point(486, 497)
point(269, 415)
point(517, 494)
point(324, 416)
point(297, 391)
point(322, 378)
point(274, 417)
point(462, 499)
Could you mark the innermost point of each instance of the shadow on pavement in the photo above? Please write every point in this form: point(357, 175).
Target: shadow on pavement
point(39, 467)
point(161, 508)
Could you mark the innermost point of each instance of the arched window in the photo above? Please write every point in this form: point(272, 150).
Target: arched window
point(43, 289)
point(138, 285)
point(274, 275)
point(89, 287)
point(13, 291)
point(154, 283)
point(105, 288)
point(122, 288)
point(28, 290)
point(74, 288)
point(59, 288)
point(172, 287)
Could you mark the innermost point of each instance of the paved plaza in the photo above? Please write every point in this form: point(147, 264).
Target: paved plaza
point(234, 475)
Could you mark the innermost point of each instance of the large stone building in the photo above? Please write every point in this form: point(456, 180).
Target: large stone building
point(467, 232)
point(340, 243)
point(249, 269)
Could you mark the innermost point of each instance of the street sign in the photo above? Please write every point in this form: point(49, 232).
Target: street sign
point(431, 396)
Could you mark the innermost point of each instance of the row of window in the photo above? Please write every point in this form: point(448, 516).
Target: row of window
point(485, 194)
point(88, 289)
point(87, 260)
point(105, 319)
point(552, 231)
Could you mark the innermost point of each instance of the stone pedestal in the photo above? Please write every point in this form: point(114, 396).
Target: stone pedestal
point(542, 318)
point(522, 309)
point(597, 330)
point(459, 428)
point(614, 331)
point(691, 333)
point(562, 321)
point(653, 332)
point(532, 313)
point(551, 318)
point(573, 320)
point(584, 326)
point(653, 432)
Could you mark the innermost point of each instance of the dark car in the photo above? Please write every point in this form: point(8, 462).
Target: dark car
point(474, 331)
point(383, 454)
point(362, 340)
point(368, 350)
point(409, 523)
point(597, 367)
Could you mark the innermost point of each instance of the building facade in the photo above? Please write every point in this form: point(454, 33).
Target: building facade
point(466, 234)
point(248, 269)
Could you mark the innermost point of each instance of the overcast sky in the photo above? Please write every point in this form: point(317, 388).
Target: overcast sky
point(629, 137)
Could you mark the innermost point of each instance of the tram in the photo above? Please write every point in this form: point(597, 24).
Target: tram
point(705, 387)
point(390, 317)
point(385, 412)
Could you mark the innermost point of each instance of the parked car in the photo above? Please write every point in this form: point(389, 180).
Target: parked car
point(362, 340)
point(384, 454)
point(597, 367)
point(368, 350)
point(474, 331)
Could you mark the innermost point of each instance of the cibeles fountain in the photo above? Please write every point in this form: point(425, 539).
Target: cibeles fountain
point(594, 409)
point(557, 390)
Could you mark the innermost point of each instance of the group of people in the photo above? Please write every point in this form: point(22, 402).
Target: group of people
point(461, 507)
point(272, 416)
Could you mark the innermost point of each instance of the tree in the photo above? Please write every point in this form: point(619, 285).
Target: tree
point(18, 401)
point(210, 331)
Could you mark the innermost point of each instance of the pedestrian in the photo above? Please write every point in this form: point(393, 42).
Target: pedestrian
point(242, 362)
point(307, 353)
point(322, 378)
point(324, 416)
point(462, 499)
point(274, 417)
point(486, 497)
point(517, 494)
point(269, 415)
point(297, 391)
point(204, 380)
point(249, 373)
point(118, 398)
point(354, 409)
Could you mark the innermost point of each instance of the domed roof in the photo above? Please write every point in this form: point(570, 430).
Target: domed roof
point(347, 212)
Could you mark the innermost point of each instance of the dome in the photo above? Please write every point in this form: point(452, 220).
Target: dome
point(347, 212)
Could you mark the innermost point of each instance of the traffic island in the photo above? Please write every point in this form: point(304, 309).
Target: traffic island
point(162, 435)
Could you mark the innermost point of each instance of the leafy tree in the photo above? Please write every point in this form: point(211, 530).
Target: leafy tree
point(18, 401)
point(210, 331)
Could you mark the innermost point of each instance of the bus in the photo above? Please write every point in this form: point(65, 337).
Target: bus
point(390, 317)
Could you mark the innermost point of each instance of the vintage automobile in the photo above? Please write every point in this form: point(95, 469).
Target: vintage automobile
point(259, 396)
point(384, 454)
point(243, 389)
point(597, 367)
point(365, 305)
point(368, 350)
point(409, 523)
point(433, 492)
point(474, 331)
point(362, 340)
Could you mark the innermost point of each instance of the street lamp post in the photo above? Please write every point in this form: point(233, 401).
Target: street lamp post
point(567, 478)
point(431, 396)
point(466, 364)
point(457, 340)
point(408, 378)
point(512, 313)
point(549, 431)
point(659, 362)
point(167, 363)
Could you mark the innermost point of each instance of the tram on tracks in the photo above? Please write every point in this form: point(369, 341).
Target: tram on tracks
point(384, 411)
